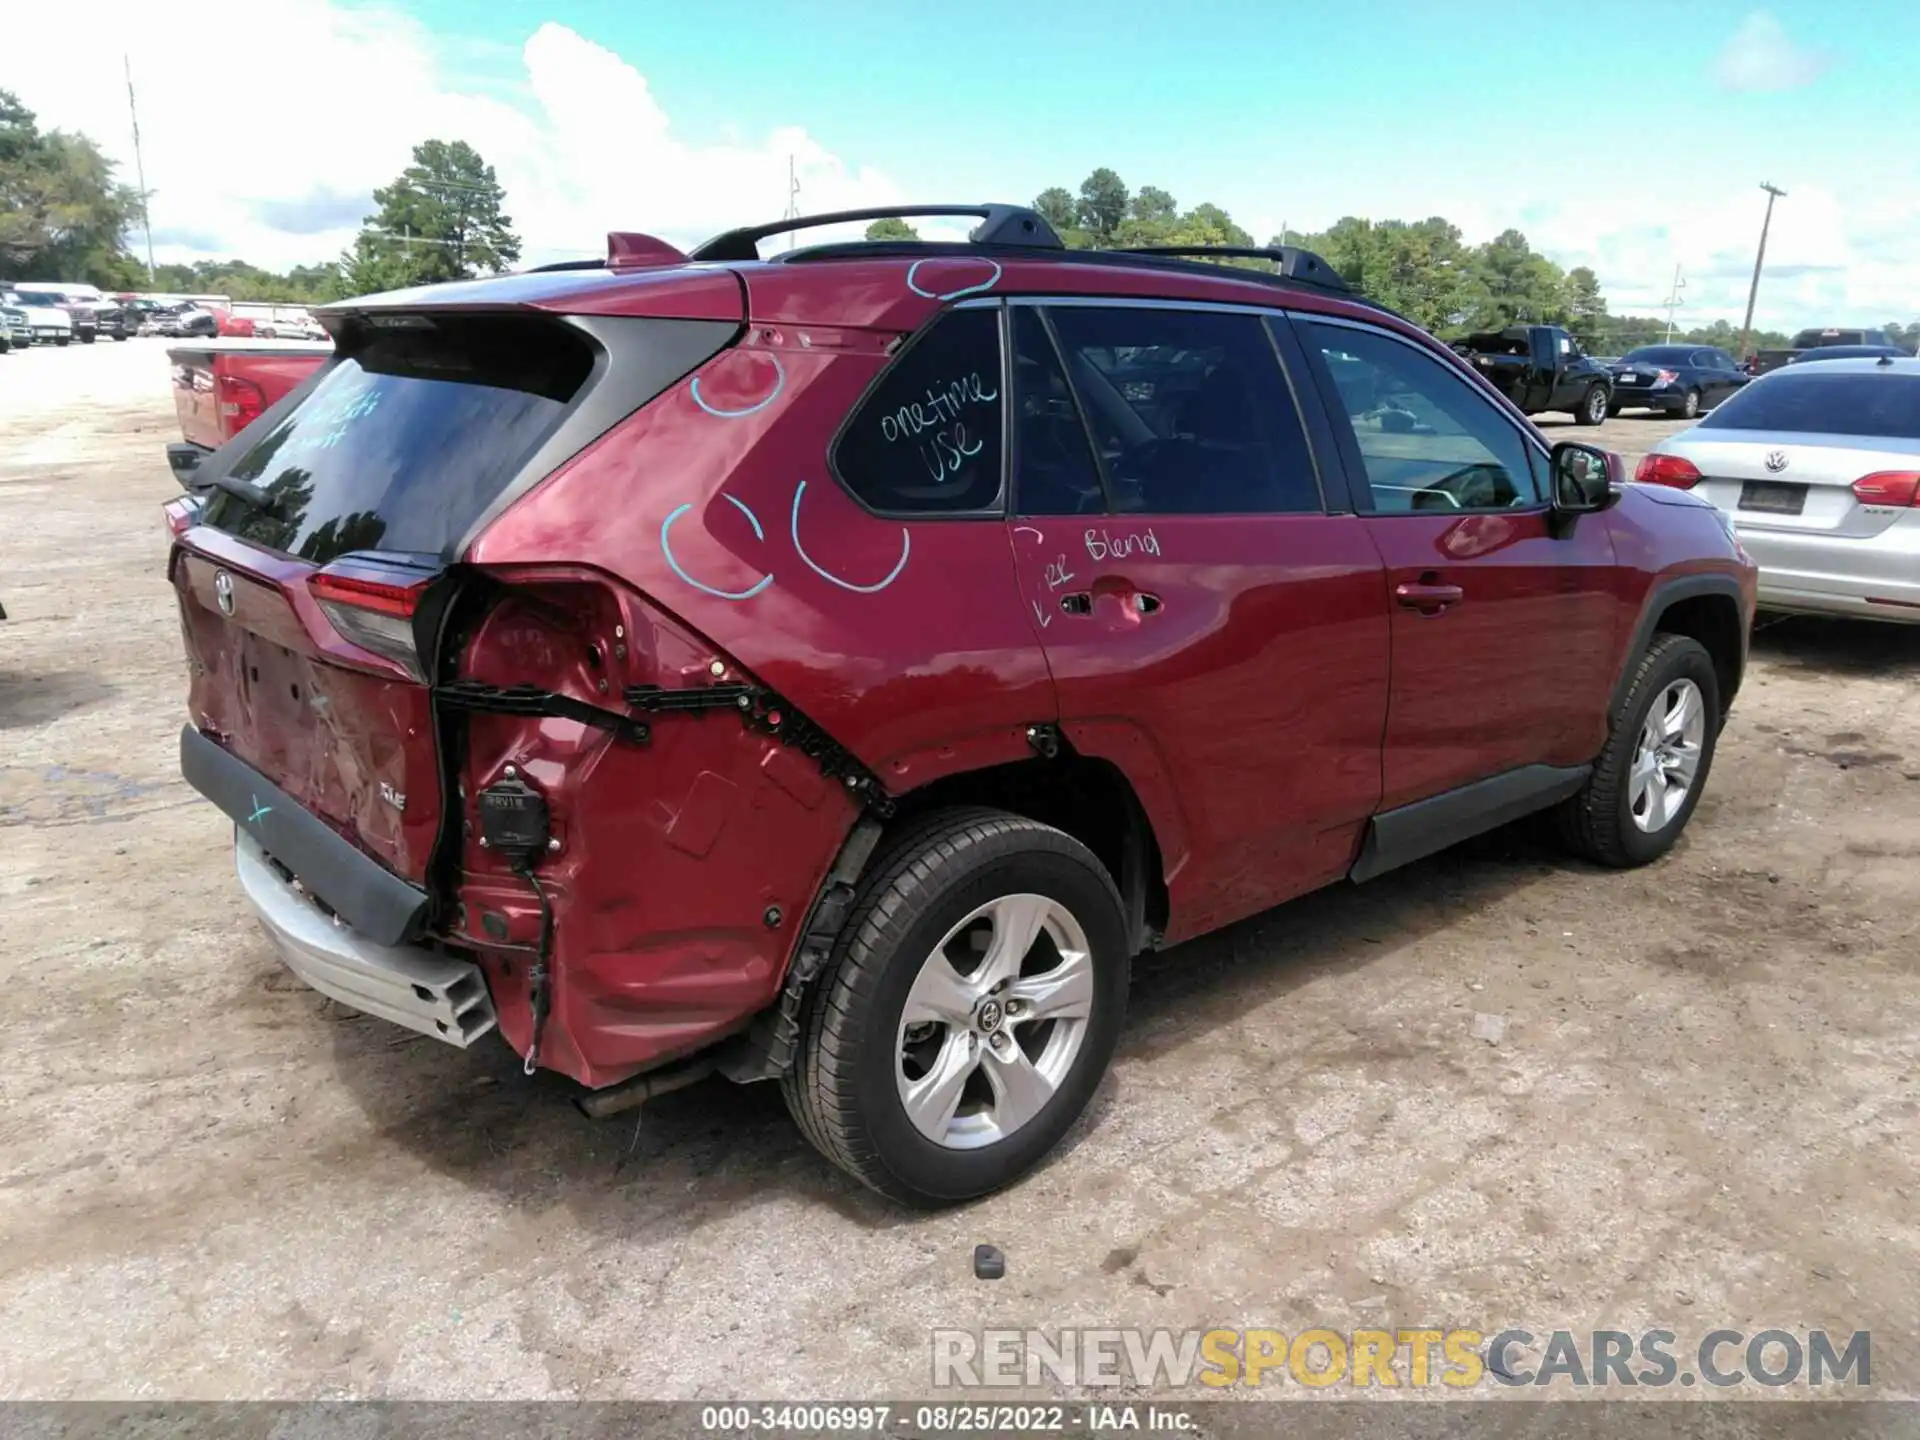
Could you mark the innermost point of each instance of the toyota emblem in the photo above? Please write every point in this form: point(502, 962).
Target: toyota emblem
point(1776, 460)
point(223, 591)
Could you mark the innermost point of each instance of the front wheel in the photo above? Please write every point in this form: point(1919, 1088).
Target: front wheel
point(968, 1012)
point(1593, 407)
point(1659, 749)
point(88, 339)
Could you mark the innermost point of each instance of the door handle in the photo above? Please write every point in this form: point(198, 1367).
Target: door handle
point(1429, 597)
point(1080, 602)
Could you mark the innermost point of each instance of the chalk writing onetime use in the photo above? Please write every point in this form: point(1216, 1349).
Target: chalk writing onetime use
point(943, 403)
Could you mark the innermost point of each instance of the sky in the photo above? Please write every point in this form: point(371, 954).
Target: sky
point(1631, 138)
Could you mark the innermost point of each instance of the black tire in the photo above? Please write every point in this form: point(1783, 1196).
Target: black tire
point(62, 340)
point(1598, 822)
point(843, 1090)
point(1593, 406)
point(88, 339)
point(1690, 405)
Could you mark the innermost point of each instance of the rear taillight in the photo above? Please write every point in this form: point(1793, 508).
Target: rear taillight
point(241, 403)
point(376, 615)
point(1666, 377)
point(1888, 487)
point(181, 514)
point(1667, 470)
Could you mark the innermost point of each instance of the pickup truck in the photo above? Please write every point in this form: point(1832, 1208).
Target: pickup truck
point(1541, 367)
point(1806, 340)
point(222, 386)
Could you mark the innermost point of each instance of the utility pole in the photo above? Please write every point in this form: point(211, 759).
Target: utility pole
point(139, 167)
point(1746, 327)
point(1673, 300)
point(792, 211)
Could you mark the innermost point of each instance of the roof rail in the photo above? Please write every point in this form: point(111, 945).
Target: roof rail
point(1293, 262)
point(999, 225)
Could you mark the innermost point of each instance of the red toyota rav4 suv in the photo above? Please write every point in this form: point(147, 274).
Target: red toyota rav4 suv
point(834, 667)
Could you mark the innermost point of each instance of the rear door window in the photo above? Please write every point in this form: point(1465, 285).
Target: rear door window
point(404, 444)
point(926, 440)
point(1054, 470)
point(1814, 400)
point(1189, 409)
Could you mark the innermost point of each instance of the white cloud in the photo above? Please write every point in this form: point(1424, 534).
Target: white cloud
point(1761, 57)
point(274, 157)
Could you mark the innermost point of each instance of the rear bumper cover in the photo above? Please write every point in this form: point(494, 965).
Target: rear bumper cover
point(421, 989)
point(380, 905)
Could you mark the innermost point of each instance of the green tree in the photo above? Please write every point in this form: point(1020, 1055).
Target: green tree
point(440, 220)
point(62, 213)
point(1515, 285)
point(892, 228)
point(1586, 307)
point(1150, 203)
point(1055, 206)
point(1103, 204)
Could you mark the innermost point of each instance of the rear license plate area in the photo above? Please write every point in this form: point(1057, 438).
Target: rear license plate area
point(1773, 497)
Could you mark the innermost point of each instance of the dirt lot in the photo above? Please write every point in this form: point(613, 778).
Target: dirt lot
point(212, 1183)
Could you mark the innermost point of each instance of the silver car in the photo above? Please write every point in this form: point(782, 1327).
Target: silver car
point(1817, 468)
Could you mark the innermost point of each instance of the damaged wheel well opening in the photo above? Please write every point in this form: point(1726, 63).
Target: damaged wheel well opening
point(1090, 800)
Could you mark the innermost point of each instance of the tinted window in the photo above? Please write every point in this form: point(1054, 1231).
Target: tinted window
point(404, 445)
point(1815, 400)
point(1189, 409)
point(1427, 439)
point(1054, 472)
point(927, 438)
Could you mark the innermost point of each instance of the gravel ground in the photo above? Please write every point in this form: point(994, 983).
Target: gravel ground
point(214, 1184)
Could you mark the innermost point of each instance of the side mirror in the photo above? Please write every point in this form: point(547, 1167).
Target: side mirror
point(1584, 477)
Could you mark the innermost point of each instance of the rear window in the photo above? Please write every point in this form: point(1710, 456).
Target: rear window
point(1662, 355)
point(1816, 401)
point(1811, 339)
point(404, 444)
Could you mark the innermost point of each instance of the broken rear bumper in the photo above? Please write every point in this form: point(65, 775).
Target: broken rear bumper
point(421, 989)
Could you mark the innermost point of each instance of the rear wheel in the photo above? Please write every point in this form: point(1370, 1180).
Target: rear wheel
point(1659, 749)
point(1690, 405)
point(88, 338)
point(968, 1012)
point(62, 340)
point(1593, 406)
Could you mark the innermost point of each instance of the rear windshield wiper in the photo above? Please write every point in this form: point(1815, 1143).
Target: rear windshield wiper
point(246, 490)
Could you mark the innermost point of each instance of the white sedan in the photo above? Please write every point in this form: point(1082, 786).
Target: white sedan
point(1817, 468)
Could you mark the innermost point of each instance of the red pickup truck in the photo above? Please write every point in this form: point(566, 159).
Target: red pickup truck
point(222, 386)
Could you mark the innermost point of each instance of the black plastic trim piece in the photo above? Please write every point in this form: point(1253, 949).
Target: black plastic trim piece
point(1660, 597)
point(532, 700)
point(1295, 263)
point(372, 899)
point(1412, 832)
point(760, 709)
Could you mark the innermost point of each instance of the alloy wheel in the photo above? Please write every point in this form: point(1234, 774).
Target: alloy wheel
point(1666, 757)
point(995, 1020)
